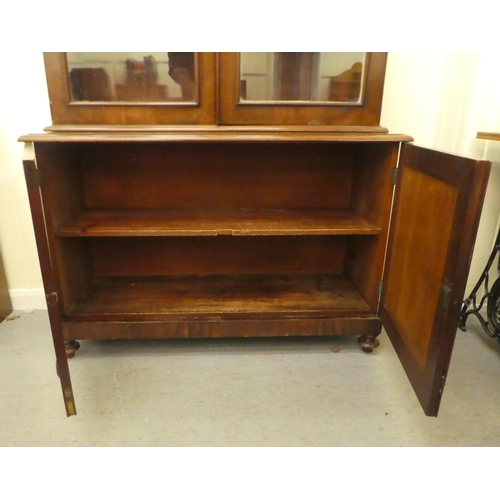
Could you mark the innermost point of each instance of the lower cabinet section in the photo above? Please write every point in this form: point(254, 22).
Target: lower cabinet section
point(222, 233)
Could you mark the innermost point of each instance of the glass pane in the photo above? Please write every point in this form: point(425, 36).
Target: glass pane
point(302, 76)
point(132, 76)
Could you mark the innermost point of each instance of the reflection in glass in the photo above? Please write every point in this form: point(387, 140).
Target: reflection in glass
point(302, 76)
point(132, 76)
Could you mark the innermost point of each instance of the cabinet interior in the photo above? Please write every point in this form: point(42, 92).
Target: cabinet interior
point(227, 230)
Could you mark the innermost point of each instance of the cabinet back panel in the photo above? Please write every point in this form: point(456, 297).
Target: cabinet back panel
point(216, 255)
point(221, 175)
point(61, 181)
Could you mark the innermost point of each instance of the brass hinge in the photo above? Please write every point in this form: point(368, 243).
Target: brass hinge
point(52, 298)
point(445, 297)
point(394, 176)
point(443, 382)
point(69, 402)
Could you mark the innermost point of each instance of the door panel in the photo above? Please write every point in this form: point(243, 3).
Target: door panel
point(435, 218)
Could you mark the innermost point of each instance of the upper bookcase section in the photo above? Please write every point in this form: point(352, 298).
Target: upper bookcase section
point(207, 88)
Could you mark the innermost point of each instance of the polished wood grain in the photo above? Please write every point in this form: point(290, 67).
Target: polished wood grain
point(177, 256)
point(283, 327)
point(216, 176)
point(217, 297)
point(372, 195)
point(217, 134)
point(260, 130)
point(63, 198)
point(437, 211)
point(203, 222)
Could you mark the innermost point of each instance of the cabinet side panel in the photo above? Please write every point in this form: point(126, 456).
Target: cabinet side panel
point(62, 194)
point(371, 198)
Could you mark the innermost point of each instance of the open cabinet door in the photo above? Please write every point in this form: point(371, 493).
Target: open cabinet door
point(435, 218)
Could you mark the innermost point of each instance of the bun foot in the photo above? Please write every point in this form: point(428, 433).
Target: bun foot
point(71, 347)
point(368, 343)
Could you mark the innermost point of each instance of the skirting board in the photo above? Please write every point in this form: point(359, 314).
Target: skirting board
point(27, 299)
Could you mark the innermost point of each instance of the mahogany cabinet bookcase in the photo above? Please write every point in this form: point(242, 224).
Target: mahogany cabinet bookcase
point(247, 205)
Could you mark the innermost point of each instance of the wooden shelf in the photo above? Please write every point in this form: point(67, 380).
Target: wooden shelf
point(201, 222)
point(217, 297)
point(491, 136)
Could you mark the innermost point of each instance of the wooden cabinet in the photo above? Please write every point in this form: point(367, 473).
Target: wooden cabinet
point(257, 230)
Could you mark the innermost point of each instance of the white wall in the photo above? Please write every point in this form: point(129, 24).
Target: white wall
point(24, 108)
point(441, 99)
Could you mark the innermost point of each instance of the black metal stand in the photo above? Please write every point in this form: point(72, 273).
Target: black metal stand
point(490, 324)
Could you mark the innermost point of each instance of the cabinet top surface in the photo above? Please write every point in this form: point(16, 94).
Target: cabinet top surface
point(215, 133)
point(491, 136)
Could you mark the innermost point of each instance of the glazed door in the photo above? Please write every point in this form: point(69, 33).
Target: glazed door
point(435, 219)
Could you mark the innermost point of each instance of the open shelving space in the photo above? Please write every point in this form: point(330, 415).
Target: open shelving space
point(165, 239)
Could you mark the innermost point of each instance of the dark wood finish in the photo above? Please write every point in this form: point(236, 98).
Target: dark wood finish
point(49, 279)
point(5, 303)
point(216, 134)
point(66, 111)
point(219, 255)
point(437, 208)
point(217, 297)
point(214, 328)
point(232, 110)
point(372, 194)
point(71, 347)
point(332, 133)
point(368, 342)
point(202, 222)
point(217, 176)
point(63, 199)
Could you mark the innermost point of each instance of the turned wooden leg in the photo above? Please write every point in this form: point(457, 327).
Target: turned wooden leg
point(368, 342)
point(71, 347)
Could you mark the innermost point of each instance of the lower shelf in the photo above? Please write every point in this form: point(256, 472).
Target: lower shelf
point(220, 297)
